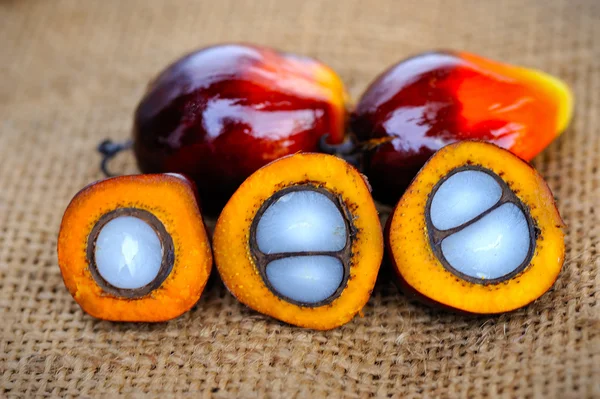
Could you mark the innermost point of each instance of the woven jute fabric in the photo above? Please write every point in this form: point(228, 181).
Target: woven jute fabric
point(71, 73)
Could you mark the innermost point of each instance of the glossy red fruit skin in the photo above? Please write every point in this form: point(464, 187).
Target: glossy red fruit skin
point(219, 114)
point(433, 99)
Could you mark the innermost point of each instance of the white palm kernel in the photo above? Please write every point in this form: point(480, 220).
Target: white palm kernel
point(462, 197)
point(306, 279)
point(128, 253)
point(301, 221)
point(491, 247)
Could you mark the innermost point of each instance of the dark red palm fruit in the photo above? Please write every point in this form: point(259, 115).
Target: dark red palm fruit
point(433, 99)
point(220, 113)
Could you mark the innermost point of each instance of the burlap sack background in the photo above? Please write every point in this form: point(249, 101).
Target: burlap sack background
point(71, 74)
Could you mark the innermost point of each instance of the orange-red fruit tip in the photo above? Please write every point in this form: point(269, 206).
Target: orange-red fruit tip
point(433, 99)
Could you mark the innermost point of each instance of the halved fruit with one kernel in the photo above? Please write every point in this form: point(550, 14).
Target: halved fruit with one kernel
point(428, 101)
point(477, 231)
point(134, 248)
point(301, 241)
point(220, 113)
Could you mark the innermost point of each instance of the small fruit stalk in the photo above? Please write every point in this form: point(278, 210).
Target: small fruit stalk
point(219, 114)
point(134, 248)
point(426, 102)
point(476, 231)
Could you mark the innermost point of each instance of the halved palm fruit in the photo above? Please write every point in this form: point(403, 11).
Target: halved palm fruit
point(134, 248)
point(476, 231)
point(301, 241)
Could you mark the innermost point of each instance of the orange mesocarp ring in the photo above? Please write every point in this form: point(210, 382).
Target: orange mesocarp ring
point(134, 248)
point(476, 231)
point(301, 241)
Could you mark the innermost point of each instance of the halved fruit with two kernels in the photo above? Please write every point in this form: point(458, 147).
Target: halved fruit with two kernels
point(477, 231)
point(301, 241)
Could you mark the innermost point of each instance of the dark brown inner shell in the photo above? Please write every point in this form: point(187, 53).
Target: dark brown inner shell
point(168, 253)
point(344, 255)
point(437, 236)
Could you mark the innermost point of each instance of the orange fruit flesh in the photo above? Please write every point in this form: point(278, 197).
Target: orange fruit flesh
point(238, 267)
point(171, 199)
point(533, 106)
point(420, 270)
